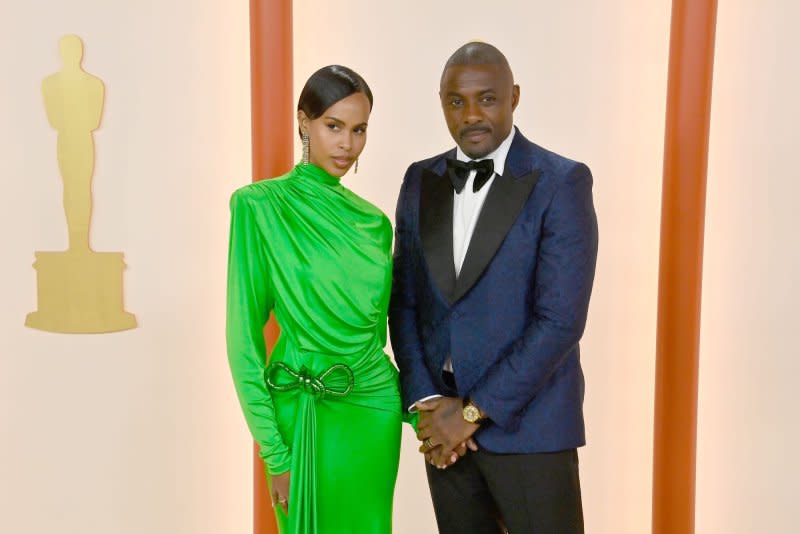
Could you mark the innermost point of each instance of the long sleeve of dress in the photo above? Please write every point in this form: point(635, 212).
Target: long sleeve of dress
point(250, 300)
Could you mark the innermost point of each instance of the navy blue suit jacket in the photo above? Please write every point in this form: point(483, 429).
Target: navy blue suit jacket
point(512, 319)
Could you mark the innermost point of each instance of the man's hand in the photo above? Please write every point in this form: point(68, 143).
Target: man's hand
point(437, 458)
point(443, 430)
point(280, 490)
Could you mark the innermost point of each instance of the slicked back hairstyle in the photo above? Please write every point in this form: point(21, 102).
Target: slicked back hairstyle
point(329, 85)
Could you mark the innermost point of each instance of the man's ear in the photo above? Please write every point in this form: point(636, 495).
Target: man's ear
point(514, 97)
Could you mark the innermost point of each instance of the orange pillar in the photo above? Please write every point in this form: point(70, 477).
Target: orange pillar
point(691, 59)
point(272, 126)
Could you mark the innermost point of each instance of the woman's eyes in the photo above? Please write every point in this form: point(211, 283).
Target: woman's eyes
point(336, 127)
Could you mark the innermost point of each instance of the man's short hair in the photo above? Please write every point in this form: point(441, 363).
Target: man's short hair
point(476, 53)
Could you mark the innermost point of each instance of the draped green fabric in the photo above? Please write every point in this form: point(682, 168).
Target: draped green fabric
point(328, 405)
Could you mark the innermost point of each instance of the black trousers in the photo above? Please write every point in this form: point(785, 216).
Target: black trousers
point(528, 493)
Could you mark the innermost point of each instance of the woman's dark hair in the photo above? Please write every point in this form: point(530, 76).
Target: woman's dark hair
point(329, 85)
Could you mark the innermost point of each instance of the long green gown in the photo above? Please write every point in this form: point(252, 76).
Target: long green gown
point(328, 405)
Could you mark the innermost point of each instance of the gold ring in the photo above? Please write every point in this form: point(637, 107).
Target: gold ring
point(428, 444)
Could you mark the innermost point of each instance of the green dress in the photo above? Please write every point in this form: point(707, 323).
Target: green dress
point(327, 407)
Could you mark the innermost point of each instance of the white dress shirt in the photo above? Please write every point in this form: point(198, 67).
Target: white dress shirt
point(467, 207)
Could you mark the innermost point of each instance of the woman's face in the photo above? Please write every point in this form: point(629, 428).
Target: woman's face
point(338, 136)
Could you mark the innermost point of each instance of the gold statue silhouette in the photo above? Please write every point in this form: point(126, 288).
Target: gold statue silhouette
point(80, 291)
point(74, 103)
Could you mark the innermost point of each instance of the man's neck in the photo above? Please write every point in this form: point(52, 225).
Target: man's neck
point(499, 154)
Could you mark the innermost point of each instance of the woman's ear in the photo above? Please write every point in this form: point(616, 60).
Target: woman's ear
point(302, 121)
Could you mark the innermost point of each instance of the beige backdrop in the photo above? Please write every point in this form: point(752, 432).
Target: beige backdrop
point(140, 431)
point(747, 462)
point(136, 432)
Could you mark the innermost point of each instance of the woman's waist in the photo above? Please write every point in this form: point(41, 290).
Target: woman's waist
point(331, 374)
point(318, 356)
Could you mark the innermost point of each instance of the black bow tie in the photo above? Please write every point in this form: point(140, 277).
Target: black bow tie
point(459, 172)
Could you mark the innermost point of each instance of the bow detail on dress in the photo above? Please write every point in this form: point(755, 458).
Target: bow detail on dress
point(336, 381)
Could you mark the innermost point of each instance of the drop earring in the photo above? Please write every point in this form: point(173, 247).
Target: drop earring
point(355, 171)
point(306, 148)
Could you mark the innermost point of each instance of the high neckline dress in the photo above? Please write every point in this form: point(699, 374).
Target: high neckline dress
point(327, 407)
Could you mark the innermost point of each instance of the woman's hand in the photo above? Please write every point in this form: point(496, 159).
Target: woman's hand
point(280, 490)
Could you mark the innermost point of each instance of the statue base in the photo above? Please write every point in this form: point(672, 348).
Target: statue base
point(80, 292)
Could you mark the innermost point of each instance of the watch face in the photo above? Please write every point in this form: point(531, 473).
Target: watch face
point(471, 413)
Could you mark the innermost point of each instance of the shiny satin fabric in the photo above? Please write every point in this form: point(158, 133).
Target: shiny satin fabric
point(328, 406)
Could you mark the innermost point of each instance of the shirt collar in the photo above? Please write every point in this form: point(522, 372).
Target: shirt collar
point(498, 156)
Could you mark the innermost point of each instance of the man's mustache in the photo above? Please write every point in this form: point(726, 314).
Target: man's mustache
point(472, 129)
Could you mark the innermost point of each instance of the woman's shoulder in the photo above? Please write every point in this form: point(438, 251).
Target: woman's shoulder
point(259, 192)
point(376, 217)
point(366, 206)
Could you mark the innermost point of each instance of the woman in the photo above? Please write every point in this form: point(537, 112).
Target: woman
point(326, 410)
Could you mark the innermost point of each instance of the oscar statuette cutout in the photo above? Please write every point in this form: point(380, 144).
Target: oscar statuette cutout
point(79, 290)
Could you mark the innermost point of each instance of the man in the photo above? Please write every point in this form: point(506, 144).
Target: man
point(494, 264)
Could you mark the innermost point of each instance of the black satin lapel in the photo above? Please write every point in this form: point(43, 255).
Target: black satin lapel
point(501, 208)
point(436, 230)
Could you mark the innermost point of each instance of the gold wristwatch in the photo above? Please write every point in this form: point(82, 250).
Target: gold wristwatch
point(471, 413)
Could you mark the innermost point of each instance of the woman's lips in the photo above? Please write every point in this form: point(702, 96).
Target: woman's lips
point(342, 163)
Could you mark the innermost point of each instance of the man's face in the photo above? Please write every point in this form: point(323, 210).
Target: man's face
point(478, 103)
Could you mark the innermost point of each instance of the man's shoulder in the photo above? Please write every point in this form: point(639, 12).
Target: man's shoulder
point(434, 163)
point(528, 153)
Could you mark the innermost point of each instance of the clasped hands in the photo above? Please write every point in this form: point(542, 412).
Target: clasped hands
point(444, 433)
